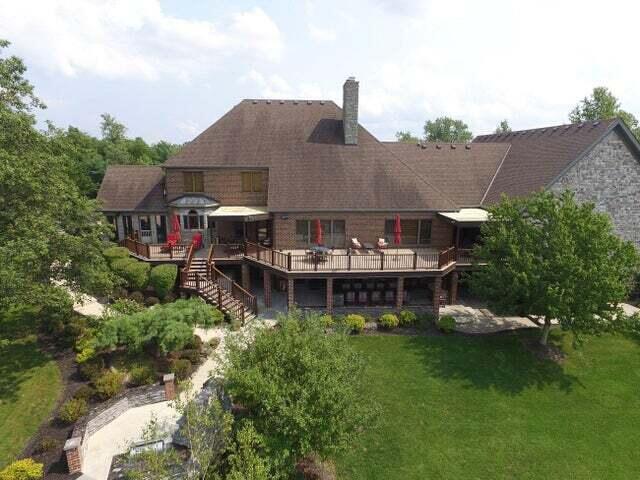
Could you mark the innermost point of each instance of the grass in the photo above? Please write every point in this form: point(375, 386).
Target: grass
point(484, 408)
point(30, 383)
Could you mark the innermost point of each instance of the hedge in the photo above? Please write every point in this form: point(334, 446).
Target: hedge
point(113, 253)
point(355, 323)
point(25, 469)
point(135, 273)
point(163, 278)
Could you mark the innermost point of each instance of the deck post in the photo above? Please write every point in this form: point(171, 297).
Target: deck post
point(148, 250)
point(415, 260)
point(291, 296)
point(267, 289)
point(437, 289)
point(381, 260)
point(453, 288)
point(289, 261)
point(171, 252)
point(219, 298)
point(272, 256)
point(329, 301)
point(197, 281)
point(399, 292)
point(349, 259)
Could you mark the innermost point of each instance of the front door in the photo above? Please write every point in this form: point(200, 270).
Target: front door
point(161, 228)
point(213, 234)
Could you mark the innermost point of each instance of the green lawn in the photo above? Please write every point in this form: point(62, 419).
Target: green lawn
point(29, 385)
point(484, 408)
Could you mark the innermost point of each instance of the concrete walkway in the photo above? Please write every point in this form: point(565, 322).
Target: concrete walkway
point(88, 306)
point(476, 320)
point(116, 437)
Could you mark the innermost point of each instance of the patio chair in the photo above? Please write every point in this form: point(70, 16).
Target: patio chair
point(382, 244)
point(355, 244)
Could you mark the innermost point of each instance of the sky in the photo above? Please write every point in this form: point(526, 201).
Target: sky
point(169, 69)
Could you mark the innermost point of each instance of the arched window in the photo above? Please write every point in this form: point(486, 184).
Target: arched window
point(193, 221)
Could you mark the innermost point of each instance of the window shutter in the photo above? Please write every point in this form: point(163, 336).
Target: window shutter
point(188, 181)
point(246, 181)
point(256, 182)
point(199, 182)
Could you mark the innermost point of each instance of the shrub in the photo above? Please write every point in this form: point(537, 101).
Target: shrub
point(47, 444)
point(181, 367)
point(192, 355)
point(163, 278)
point(217, 317)
point(135, 273)
point(119, 265)
point(25, 469)
point(388, 321)
point(86, 354)
point(92, 369)
point(171, 297)
point(151, 301)
point(114, 253)
point(447, 323)
point(72, 410)
point(85, 392)
point(355, 323)
point(142, 375)
point(407, 318)
point(426, 319)
point(125, 307)
point(194, 344)
point(214, 342)
point(56, 309)
point(327, 320)
point(109, 384)
point(137, 297)
point(120, 293)
point(236, 324)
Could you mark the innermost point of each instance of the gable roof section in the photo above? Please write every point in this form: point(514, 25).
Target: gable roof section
point(538, 156)
point(310, 167)
point(464, 171)
point(132, 187)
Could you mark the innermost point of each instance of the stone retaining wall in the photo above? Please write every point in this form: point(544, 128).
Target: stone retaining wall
point(103, 414)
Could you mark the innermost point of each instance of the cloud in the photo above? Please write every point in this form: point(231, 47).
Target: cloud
point(275, 86)
point(124, 39)
point(321, 35)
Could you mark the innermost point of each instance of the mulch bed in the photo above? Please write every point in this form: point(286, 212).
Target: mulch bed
point(55, 463)
point(544, 352)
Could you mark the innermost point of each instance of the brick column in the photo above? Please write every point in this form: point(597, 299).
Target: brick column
point(330, 295)
point(437, 289)
point(246, 278)
point(291, 298)
point(267, 289)
point(72, 452)
point(453, 288)
point(169, 381)
point(399, 292)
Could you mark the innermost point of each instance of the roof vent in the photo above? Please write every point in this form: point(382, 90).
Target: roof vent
point(255, 101)
point(595, 124)
point(423, 146)
point(453, 147)
point(268, 102)
point(295, 102)
point(467, 146)
point(281, 102)
point(554, 129)
point(438, 147)
point(321, 102)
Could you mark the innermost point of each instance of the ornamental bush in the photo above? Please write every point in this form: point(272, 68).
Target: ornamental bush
point(72, 410)
point(119, 265)
point(124, 306)
point(109, 384)
point(142, 375)
point(163, 278)
point(136, 275)
point(85, 392)
point(407, 318)
point(114, 253)
point(388, 321)
point(327, 320)
point(181, 367)
point(355, 323)
point(137, 297)
point(25, 469)
point(447, 323)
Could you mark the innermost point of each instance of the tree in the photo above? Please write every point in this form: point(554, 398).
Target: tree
point(549, 257)
point(603, 105)
point(447, 129)
point(112, 130)
point(503, 127)
point(301, 386)
point(49, 231)
point(406, 136)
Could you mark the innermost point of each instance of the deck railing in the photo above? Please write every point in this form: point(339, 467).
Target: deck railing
point(155, 250)
point(464, 256)
point(381, 260)
point(246, 299)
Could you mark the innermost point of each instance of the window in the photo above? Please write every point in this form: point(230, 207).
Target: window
point(193, 182)
point(193, 221)
point(333, 232)
point(251, 181)
point(127, 224)
point(145, 222)
point(414, 232)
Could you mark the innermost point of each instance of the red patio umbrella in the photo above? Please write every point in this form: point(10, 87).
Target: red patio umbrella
point(397, 231)
point(175, 226)
point(318, 238)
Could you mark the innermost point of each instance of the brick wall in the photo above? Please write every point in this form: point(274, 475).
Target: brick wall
point(366, 226)
point(609, 176)
point(224, 185)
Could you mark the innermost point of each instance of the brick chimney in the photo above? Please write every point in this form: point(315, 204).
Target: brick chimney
point(350, 111)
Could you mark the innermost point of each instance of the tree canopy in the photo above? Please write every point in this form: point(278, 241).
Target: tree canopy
point(550, 257)
point(602, 104)
point(447, 129)
point(406, 136)
point(503, 127)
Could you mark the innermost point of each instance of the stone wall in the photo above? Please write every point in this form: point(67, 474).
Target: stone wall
point(366, 226)
point(609, 176)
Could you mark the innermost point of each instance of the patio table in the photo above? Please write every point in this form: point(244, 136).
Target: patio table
point(367, 245)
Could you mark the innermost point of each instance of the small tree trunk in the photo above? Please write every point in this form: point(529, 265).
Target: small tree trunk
point(545, 331)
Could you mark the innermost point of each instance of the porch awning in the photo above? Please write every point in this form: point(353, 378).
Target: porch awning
point(467, 216)
point(247, 214)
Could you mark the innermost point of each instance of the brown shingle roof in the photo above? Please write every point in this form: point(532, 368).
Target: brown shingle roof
point(537, 157)
point(310, 167)
point(132, 187)
point(463, 171)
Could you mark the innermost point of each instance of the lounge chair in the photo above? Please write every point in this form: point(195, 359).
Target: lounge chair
point(355, 244)
point(382, 244)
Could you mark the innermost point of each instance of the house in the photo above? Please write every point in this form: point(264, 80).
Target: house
point(256, 184)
